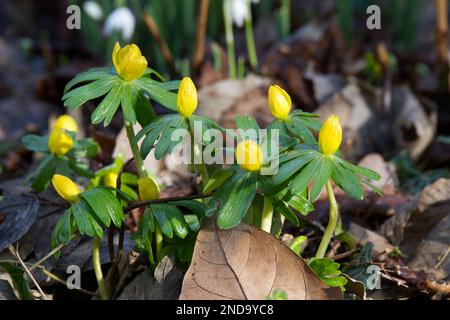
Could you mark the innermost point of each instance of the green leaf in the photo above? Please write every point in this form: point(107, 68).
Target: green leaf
point(146, 223)
point(158, 92)
point(81, 168)
point(328, 271)
point(370, 174)
point(130, 194)
point(304, 178)
point(108, 107)
point(283, 208)
point(35, 143)
point(301, 204)
point(129, 99)
point(153, 131)
point(81, 212)
point(90, 75)
point(218, 177)
point(44, 173)
point(166, 144)
point(105, 205)
point(196, 207)
point(177, 221)
point(347, 181)
point(63, 229)
point(163, 221)
point(236, 205)
point(192, 221)
point(246, 123)
point(289, 168)
point(144, 110)
point(298, 128)
point(77, 97)
point(130, 179)
point(297, 243)
point(18, 279)
point(322, 174)
point(85, 148)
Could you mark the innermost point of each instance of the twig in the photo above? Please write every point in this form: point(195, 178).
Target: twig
point(442, 258)
point(48, 255)
point(165, 50)
point(59, 280)
point(15, 252)
point(169, 199)
point(199, 54)
point(343, 255)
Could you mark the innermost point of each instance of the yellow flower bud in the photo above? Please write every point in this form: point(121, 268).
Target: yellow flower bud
point(279, 102)
point(66, 122)
point(66, 188)
point(130, 64)
point(249, 156)
point(59, 142)
point(110, 179)
point(148, 189)
point(187, 100)
point(330, 135)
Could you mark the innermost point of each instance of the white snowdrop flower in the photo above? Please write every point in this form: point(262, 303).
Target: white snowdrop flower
point(122, 20)
point(239, 12)
point(93, 10)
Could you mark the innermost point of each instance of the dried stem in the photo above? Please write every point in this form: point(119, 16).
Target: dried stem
point(199, 54)
point(15, 252)
point(165, 50)
point(442, 30)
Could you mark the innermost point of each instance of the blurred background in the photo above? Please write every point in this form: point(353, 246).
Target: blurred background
point(388, 84)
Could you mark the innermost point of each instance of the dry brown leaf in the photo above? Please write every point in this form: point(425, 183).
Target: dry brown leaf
point(245, 263)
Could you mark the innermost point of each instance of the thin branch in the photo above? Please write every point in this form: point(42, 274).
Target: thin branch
point(165, 50)
point(169, 199)
point(48, 255)
point(199, 54)
point(61, 281)
point(15, 252)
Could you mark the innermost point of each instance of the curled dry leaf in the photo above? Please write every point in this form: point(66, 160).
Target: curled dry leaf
point(246, 263)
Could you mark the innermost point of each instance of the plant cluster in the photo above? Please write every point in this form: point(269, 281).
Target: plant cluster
point(229, 193)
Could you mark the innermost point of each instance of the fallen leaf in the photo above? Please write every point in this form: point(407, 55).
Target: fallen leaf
point(164, 284)
point(247, 263)
point(19, 212)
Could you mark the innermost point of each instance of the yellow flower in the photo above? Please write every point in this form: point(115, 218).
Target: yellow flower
point(330, 135)
point(249, 156)
point(148, 189)
point(59, 142)
point(66, 122)
point(279, 102)
point(66, 188)
point(130, 64)
point(110, 179)
point(187, 100)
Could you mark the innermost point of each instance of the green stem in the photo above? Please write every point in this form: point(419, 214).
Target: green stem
point(267, 216)
point(332, 222)
point(250, 38)
point(229, 39)
point(98, 269)
point(285, 16)
point(135, 150)
point(159, 243)
point(196, 152)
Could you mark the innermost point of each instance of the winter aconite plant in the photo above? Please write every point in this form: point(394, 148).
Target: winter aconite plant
point(272, 176)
